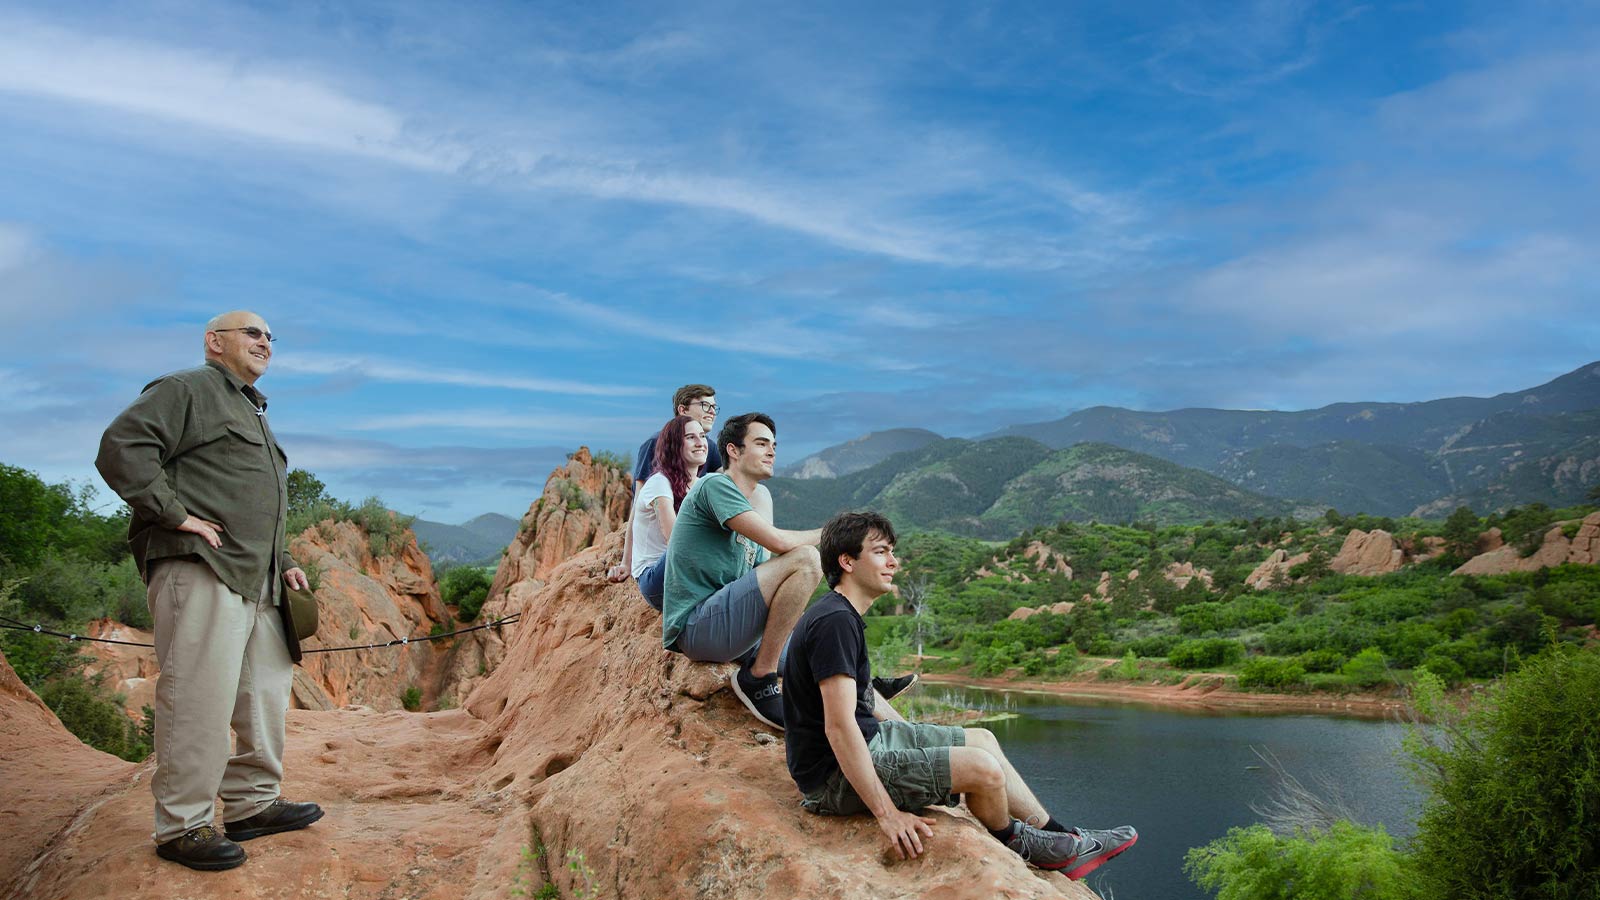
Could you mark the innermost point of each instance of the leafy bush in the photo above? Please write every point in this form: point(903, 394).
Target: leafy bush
point(1271, 673)
point(1206, 653)
point(1516, 787)
point(1345, 862)
point(96, 719)
point(1367, 668)
point(411, 698)
point(1322, 660)
point(466, 588)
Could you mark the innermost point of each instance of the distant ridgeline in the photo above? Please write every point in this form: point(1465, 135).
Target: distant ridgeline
point(1540, 445)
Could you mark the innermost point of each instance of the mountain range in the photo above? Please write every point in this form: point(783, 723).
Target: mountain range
point(475, 542)
point(1425, 458)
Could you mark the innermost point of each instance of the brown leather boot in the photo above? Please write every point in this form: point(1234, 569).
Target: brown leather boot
point(202, 848)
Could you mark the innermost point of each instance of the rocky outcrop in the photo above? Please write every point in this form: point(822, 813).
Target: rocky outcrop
point(129, 671)
point(48, 779)
point(1180, 574)
point(587, 739)
point(1274, 569)
point(583, 501)
point(1044, 560)
point(1368, 553)
point(362, 598)
point(1557, 549)
point(1026, 612)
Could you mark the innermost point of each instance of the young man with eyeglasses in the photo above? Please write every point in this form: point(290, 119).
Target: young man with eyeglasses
point(698, 401)
point(846, 761)
point(194, 458)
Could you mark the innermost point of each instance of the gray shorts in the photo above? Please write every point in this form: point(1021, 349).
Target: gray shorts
point(726, 625)
point(913, 762)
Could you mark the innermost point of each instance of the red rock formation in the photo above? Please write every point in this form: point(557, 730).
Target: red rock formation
point(1274, 568)
point(361, 599)
point(588, 737)
point(1368, 553)
point(1180, 574)
point(368, 599)
point(1557, 549)
point(48, 778)
point(129, 671)
point(582, 502)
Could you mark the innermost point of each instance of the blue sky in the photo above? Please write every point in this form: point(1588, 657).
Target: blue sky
point(487, 233)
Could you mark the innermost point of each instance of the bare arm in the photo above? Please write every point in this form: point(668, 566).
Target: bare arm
point(666, 516)
point(622, 570)
point(903, 830)
point(778, 540)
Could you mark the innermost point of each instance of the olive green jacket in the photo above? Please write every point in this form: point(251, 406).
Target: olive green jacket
point(196, 442)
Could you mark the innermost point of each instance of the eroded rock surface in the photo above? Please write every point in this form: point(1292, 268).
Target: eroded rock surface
point(1556, 549)
point(1373, 552)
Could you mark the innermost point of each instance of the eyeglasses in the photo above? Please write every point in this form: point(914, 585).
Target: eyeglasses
point(251, 332)
point(706, 405)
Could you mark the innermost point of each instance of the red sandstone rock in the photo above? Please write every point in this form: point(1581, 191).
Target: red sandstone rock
point(1180, 574)
point(587, 736)
point(1368, 553)
point(1269, 571)
point(1557, 549)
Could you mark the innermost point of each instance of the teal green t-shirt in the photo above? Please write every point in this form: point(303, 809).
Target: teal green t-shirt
point(704, 554)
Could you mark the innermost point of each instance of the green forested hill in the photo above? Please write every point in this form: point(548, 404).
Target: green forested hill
point(1535, 445)
point(867, 450)
point(997, 487)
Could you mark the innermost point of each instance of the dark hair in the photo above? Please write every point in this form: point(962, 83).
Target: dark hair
point(689, 393)
point(846, 534)
point(670, 459)
point(734, 430)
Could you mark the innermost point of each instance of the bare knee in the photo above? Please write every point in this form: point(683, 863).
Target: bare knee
point(806, 559)
point(974, 769)
point(983, 739)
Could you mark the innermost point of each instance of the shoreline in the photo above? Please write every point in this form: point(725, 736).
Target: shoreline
point(1198, 692)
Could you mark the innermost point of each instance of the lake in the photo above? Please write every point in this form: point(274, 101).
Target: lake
point(1184, 777)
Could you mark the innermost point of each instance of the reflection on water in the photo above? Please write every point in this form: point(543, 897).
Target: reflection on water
point(1184, 777)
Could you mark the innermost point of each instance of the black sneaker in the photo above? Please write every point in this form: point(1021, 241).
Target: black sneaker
point(762, 696)
point(890, 688)
point(202, 848)
point(280, 815)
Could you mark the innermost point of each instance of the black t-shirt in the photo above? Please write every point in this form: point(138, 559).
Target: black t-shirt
point(830, 639)
point(645, 461)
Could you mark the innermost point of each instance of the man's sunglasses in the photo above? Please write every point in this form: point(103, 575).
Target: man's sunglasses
point(251, 332)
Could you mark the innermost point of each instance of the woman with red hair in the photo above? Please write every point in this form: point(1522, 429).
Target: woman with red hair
point(680, 451)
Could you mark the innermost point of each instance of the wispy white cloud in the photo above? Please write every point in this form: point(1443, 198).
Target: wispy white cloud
point(397, 371)
point(230, 94)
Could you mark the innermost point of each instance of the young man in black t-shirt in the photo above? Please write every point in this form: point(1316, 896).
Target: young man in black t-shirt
point(846, 761)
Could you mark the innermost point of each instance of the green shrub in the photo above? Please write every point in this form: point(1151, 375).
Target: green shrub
point(1345, 862)
point(1322, 660)
point(411, 698)
point(96, 719)
point(1515, 806)
point(1128, 666)
point(1367, 668)
point(1271, 673)
point(466, 588)
point(1206, 653)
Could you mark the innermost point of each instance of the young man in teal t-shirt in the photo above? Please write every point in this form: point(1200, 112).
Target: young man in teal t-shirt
point(722, 597)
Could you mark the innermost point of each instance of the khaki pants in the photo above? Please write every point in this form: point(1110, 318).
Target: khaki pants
point(223, 662)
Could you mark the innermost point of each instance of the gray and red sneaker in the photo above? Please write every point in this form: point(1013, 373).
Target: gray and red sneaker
point(1075, 853)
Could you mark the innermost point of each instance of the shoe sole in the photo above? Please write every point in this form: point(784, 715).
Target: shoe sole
point(263, 831)
point(205, 865)
point(1090, 866)
point(750, 705)
point(909, 685)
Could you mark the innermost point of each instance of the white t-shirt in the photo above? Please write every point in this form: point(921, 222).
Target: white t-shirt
point(648, 544)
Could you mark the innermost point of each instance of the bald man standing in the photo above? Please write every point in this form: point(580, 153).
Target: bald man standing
point(194, 458)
